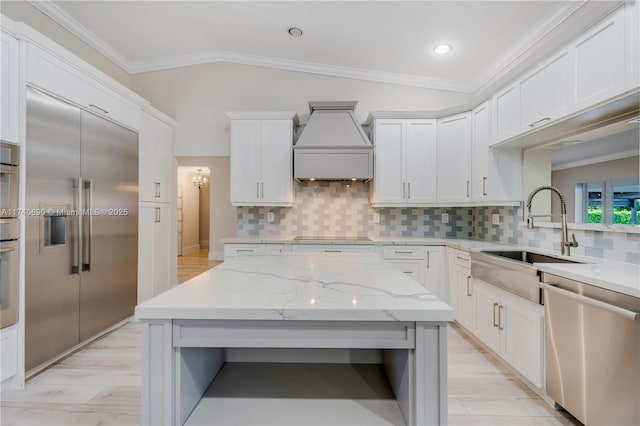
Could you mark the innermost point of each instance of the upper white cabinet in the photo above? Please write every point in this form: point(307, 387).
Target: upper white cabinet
point(454, 158)
point(155, 154)
point(597, 66)
point(73, 84)
point(495, 172)
point(599, 70)
point(261, 160)
point(9, 89)
point(405, 162)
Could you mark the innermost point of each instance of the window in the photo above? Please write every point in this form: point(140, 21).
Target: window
point(613, 201)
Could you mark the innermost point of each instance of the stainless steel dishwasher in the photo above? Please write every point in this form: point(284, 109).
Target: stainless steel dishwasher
point(592, 351)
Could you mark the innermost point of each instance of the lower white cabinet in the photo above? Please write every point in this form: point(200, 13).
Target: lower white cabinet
point(8, 352)
point(461, 288)
point(154, 250)
point(513, 328)
point(425, 264)
point(333, 248)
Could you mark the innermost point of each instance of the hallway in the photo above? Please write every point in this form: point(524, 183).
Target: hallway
point(194, 264)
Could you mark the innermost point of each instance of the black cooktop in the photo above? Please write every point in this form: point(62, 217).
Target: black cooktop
point(330, 238)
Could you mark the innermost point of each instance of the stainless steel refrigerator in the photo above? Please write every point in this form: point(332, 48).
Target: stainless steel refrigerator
point(81, 226)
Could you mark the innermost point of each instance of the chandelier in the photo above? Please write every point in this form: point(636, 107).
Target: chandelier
point(200, 181)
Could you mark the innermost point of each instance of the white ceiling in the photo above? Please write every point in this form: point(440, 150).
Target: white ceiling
point(372, 40)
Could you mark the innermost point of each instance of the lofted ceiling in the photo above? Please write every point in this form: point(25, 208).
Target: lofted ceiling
point(388, 41)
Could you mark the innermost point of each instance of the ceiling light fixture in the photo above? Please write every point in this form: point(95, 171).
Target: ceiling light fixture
point(442, 49)
point(295, 32)
point(200, 181)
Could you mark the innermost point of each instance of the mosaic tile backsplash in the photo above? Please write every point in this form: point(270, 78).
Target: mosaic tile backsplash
point(342, 209)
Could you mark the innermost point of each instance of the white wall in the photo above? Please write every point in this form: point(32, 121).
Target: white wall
point(204, 216)
point(198, 97)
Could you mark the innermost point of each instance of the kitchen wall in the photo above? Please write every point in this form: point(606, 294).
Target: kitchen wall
point(198, 97)
point(23, 11)
point(190, 211)
point(205, 208)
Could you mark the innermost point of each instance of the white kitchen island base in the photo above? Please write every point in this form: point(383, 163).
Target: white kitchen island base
point(182, 358)
point(288, 304)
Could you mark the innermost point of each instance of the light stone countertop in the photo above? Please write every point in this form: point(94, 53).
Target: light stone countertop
point(616, 276)
point(297, 286)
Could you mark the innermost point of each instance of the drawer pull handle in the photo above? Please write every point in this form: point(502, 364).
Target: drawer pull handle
point(462, 258)
point(484, 185)
point(404, 252)
point(495, 305)
point(500, 327)
point(104, 111)
point(245, 250)
point(333, 251)
point(428, 259)
point(468, 286)
point(542, 120)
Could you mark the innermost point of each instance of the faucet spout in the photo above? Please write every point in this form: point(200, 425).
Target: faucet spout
point(565, 244)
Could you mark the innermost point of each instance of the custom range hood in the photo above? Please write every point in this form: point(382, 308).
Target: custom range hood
point(332, 146)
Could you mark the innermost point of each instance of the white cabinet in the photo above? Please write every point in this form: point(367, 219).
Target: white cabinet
point(506, 113)
point(235, 250)
point(461, 288)
point(73, 84)
point(261, 161)
point(496, 173)
point(409, 259)
point(8, 352)
point(155, 154)
point(405, 162)
point(513, 328)
point(545, 92)
point(154, 253)
point(434, 273)
point(9, 101)
point(454, 158)
point(333, 248)
point(599, 70)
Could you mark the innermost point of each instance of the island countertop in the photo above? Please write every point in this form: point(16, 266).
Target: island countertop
point(297, 286)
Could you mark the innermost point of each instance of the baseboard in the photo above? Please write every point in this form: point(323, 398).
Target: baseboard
point(204, 243)
point(216, 255)
point(191, 249)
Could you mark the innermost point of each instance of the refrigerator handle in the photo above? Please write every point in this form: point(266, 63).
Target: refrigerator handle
point(86, 261)
point(77, 252)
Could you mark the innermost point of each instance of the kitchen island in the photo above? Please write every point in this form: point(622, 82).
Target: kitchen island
point(348, 301)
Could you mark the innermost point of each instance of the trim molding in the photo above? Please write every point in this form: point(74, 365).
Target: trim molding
point(594, 160)
point(538, 39)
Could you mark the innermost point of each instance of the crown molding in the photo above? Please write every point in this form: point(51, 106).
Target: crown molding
point(70, 24)
point(300, 66)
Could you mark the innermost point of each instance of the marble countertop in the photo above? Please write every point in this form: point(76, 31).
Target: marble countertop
point(616, 276)
point(296, 286)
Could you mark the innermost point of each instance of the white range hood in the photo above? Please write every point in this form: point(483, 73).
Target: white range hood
point(333, 146)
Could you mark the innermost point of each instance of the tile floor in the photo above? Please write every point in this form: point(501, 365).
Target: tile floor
point(100, 385)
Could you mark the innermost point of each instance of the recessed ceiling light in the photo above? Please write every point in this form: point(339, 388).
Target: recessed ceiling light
point(295, 32)
point(442, 49)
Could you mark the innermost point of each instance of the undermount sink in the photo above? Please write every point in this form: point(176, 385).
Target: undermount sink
point(529, 257)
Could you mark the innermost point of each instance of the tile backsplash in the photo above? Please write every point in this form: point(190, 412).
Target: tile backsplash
point(342, 209)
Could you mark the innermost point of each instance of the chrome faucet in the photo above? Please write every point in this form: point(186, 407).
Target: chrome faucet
point(565, 244)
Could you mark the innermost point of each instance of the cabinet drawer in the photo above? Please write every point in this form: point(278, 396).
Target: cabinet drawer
point(400, 252)
point(274, 248)
point(233, 250)
point(332, 248)
point(9, 352)
point(70, 83)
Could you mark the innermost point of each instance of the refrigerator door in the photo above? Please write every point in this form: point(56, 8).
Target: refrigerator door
point(51, 246)
point(109, 168)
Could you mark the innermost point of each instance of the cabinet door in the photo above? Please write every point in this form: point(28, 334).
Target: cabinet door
point(411, 268)
point(600, 61)
point(480, 139)
point(522, 337)
point(276, 161)
point(466, 298)
point(9, 123)
point(162, 164)
point(245, 161)
point(161, 249)
point(420, 161)
point(487, 306)
point(147, 183)
point(454, 148)
point(389, 184)
point(434, 276)
point(506, 114)
point(153, 250)
point(544, 94)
